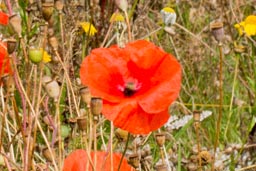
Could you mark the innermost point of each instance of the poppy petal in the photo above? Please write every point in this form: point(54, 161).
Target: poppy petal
point(103, 70)
point(78, 161)
point(165, 87)
point(129, 116)
point(4, 18)
point(5, 66)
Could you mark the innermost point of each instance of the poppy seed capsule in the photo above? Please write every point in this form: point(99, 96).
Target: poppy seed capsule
point(11, 45)
point(134, 160)
point(82, 123)
point(47, 10)
point(160, 139)
point(217, 30)
point(52, 87)
point(121, 134)
point(85, 95)
point(96, 105)
point(15, 22)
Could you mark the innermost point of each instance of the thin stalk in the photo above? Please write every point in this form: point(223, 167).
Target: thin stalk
point(128, 25)
point(198, 144)
point(125, 149)
point(95, 141)
point(216, 143)
point(232, 95)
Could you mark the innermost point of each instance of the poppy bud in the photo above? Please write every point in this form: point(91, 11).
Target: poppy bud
point(134, 160)
point(52, 87)
point(47, 10)
point(85, 95)
point(15, 22)
point(53, 42)
point(122, 4)
point(217, 30)
point(160, 139)
point(161, 167)
point(35, 55)
point(96, 105)
point(82, 123)
point(11, 45)
point(121, 135)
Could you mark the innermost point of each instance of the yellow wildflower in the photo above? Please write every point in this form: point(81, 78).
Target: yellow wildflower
point(168, 15)
point(248, 26)
point(116, 17)
point(88, 28)
point(46, 57)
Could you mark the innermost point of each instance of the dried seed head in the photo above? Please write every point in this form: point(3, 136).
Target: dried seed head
point(85, 95)
point(82, 123)
point(161, 167)
point(15, 22)
point(122, 135)
point(47, 10)
point(96, 105)
point(52, 87)
point(122, 4)
point(217, 30)
point(134, 160)
point(160, 139)
point(11, 45)
point(205, 157)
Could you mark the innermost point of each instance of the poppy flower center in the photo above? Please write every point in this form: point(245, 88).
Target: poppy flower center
point(129, 88)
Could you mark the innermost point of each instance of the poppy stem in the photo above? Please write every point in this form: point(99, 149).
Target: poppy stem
point(128, 25)
point(220, 104)
point(125, 149)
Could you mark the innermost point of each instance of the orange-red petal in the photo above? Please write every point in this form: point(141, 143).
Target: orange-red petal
point(129, 116)
point(5, 66)
point(103, 70)
point(78, 161)
point(3, 18)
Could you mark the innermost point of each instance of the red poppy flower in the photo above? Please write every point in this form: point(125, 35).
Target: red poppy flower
point(4, 60)
point(137, 84)
point(3, 18)
point(78, 161)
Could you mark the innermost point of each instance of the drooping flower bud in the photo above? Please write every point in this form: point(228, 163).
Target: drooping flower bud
point(15, 22)
point(134, 160)
point(52, 87)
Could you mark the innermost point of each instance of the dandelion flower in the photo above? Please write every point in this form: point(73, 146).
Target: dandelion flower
point(248, 26)
point(88, 28)
point(137, 84)
point(168, 15)
point(116, 17)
